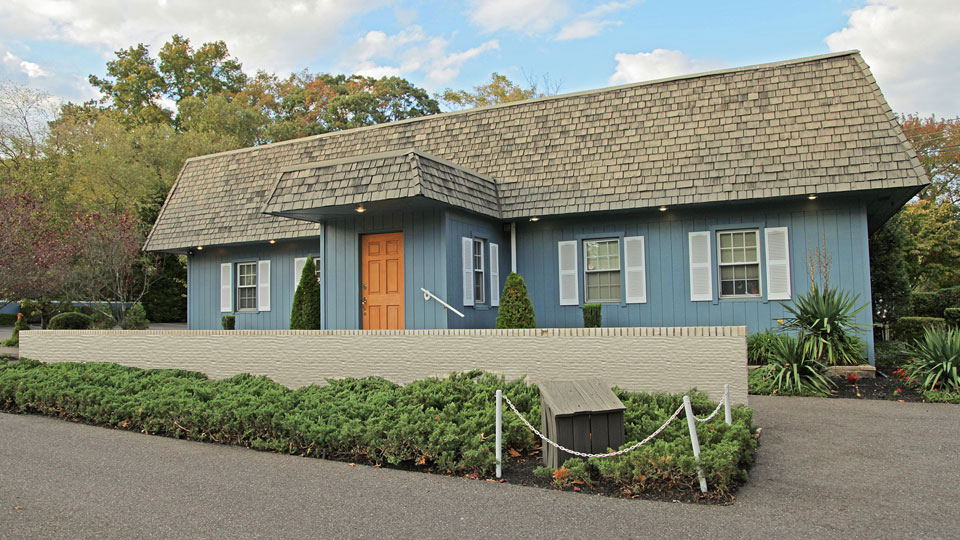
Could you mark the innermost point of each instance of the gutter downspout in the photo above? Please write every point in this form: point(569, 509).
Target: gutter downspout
point(513, 247)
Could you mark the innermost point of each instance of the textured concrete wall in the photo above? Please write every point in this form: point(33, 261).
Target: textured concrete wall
point(640, 359)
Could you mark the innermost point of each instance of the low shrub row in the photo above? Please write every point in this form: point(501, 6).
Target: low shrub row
point(667, 464)
point(439, 424)
point(911, 329)
point(933, 304)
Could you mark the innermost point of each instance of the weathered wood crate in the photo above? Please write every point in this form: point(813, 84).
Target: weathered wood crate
point(585, 416)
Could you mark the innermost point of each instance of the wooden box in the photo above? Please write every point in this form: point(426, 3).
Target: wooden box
point(585, 416)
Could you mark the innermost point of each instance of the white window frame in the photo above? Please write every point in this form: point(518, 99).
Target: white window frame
point(479, 296)
point(240, 265)
point(587, 271)
point(720, 265)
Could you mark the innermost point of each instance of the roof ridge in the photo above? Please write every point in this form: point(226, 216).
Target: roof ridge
point(534, 100)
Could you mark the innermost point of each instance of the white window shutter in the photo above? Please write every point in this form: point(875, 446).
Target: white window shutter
point(226, 288)
point(636, 272)
point(777, 246)
point(467, 244)
point(701, 274)
point(263, 286)
point(494, 275)
point(298, 265)
point(569, 279)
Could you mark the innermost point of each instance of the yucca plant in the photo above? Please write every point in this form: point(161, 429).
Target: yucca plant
point(793, 371)
point(824, 319)
point(936, 363)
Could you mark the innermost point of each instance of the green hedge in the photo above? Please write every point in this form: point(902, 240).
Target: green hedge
point(952, 316)
point(592, 317)
point(910, 329)
point(229, 322)
point(71, 320)
point(440, 424)
point(933, 304)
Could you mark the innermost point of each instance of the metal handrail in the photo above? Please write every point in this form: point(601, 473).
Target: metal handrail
point(427, 295)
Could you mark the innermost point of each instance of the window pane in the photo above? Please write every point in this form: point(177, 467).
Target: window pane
point(750, 239)
point(753, 271)
point(750, 254)
point(726, 256)
point(726, 288)
point(753, 286)
point(725, 241)
point(738, 240)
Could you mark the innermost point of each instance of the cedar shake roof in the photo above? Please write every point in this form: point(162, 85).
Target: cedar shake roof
point(338, 186)
point(813, 125)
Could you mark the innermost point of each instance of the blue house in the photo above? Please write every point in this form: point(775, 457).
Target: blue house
point(689, 201)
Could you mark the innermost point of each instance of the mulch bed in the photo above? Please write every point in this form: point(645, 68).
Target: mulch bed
point(882, 388)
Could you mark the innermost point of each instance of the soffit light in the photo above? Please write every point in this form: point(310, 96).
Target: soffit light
point(361, 209)
point(273, 241)
point(199, 248)
point(534, 218)
point(812, 196)
point(663, 208)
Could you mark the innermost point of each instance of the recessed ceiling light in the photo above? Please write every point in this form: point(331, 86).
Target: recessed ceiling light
point(812, 196)
point(361, 209)
point(199, 248)
point(663, 208)
point(273, 241)
point(534, 218)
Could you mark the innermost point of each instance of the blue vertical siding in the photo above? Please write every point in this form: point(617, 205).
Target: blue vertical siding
point(203, 283)
point(423, 256)
point(841, 226)
point(458, 225)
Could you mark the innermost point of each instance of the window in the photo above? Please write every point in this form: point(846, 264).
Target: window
point(247, 286)
point(602, 270)
point(478, 271)
point(739, 263)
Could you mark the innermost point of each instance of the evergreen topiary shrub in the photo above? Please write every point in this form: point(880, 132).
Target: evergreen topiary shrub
point(925, 304)
point(71, 320)
point(305, 314)
point(14, 339)
point(229, 322)
point(137, 318)
point(911, 329)
point(952, 316)
point(592, 317)
point(515, 310)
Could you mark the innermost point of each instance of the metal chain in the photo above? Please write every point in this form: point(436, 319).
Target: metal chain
point(715, 411)
point(582, 454)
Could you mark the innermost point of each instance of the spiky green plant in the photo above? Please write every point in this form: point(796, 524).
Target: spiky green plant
point(825, 321)
point(793, 370)
point(936, 363)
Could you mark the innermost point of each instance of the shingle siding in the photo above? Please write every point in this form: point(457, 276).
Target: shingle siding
point(813, 125)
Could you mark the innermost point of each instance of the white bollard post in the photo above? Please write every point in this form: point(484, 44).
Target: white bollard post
point(691, 423)
point(499, 432)
point(727, 410)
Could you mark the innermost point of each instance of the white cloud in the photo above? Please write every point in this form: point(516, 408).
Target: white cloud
point(583, 29)
point(911, 47)
point(658, 64)
point(30, 69)
point(276, 35)
point(529, 16)
point(410, 52)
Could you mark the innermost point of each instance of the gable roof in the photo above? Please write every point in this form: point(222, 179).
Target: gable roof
point(813, 125)
point(339, 185)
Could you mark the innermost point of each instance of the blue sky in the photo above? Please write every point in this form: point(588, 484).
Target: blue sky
point(911, 45)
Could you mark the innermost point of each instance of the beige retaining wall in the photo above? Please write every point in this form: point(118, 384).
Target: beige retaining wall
point(639, 359)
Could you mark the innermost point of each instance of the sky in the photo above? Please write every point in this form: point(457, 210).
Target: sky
point(912, 46)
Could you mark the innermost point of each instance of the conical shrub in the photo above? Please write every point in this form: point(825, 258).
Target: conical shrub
point(515, 310)
point(306, 300)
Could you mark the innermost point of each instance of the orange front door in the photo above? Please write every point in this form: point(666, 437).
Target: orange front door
point(381, 289)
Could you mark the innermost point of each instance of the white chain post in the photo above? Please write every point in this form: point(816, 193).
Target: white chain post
point(499, 432)
point(691, 423)
point(727, 411)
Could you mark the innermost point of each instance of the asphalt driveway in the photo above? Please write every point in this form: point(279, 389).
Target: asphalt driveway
point(826, 469)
